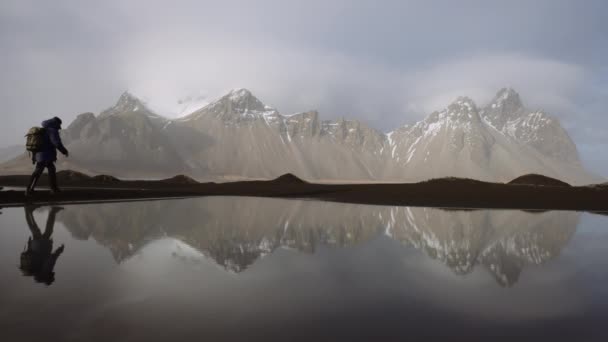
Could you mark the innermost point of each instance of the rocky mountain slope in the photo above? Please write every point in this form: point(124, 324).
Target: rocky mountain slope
point(238, 136)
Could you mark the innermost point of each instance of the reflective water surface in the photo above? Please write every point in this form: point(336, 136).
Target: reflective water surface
point(229, 268)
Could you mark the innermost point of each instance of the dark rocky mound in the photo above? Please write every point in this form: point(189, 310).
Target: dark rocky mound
point(180, 179)
point(106, 179)
point(289, 178)
point(72, 176)
point(452, 181)
point(534, 179)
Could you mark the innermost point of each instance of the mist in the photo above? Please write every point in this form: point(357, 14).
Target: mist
point(386, 65)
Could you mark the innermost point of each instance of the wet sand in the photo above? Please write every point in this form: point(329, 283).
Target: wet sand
point(442, 193)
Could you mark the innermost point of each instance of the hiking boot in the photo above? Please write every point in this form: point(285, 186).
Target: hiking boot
point(30, 192)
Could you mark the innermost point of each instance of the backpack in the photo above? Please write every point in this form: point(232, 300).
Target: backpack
point(35, 139)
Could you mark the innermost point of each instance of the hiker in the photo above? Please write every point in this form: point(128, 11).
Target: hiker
point(44, 154)
point(38, 259)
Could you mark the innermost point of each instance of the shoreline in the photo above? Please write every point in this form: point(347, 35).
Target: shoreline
point(450, 193)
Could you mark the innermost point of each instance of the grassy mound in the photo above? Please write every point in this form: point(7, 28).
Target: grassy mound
point(535, 179)
point(72, 176)
point(106, 179)
point(180, 179)
point(289, 178)
point(452, 181)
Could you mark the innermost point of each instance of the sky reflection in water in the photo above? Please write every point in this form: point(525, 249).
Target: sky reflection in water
point(251, 268)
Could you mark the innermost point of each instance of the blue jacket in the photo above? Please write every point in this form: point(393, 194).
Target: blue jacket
point(52, 143)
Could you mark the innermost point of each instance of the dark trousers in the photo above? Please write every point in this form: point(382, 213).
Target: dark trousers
point(40, 166)
point(34, 229)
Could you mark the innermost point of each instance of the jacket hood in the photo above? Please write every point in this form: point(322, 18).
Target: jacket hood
point(52, 123)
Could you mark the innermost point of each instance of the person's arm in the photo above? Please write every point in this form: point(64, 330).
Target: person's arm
point(56, 141)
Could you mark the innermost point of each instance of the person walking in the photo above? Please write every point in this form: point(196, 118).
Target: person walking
point(46, 156)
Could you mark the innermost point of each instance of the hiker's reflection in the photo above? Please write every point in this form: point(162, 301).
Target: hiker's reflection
point(38, 259)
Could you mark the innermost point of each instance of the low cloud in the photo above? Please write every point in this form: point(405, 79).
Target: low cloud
point(543, 83)
point(385, 66)
point(294, 79)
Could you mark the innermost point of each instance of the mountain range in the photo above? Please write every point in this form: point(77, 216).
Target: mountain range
point(234, 233)
point(237, 136)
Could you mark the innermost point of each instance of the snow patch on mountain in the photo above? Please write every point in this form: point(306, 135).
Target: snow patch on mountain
point(238, 135)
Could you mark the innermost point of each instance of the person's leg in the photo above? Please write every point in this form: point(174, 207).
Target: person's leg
point(52, 177)
point(31, 222)
point(50, 222)
point(35, 177)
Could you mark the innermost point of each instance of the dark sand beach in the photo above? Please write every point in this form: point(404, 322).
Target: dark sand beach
point(531, 192)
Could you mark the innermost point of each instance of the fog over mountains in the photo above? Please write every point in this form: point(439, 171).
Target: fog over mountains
point(10, 152)
point(238, 136)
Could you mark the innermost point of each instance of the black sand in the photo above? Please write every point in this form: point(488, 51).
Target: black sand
point(444, 193)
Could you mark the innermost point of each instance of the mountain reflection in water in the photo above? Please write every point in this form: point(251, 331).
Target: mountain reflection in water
point(237, 233)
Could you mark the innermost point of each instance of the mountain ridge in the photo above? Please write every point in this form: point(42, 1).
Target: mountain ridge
point(238, 135)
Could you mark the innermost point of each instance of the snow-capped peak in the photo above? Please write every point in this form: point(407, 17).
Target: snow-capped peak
point(506, 92)
point(465, 103)
point(505, 106)
point(128, 100)
point(507, 99)
point(126, 96)
point(463, 108)
point(242, 100)
point(236, 106)
point(236, 94)
point(127, 103)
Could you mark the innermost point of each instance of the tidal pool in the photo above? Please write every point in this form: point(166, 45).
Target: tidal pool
point(238, 268)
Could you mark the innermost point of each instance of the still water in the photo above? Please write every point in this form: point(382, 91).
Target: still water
point(230, 268)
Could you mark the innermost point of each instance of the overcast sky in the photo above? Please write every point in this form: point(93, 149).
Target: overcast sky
point(384, 62)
